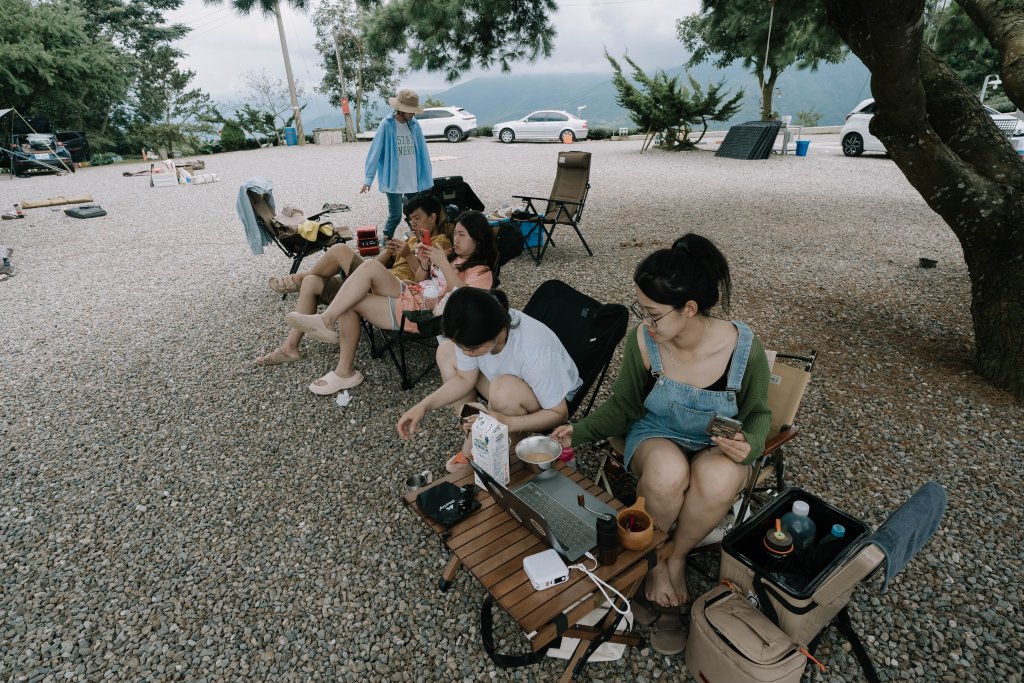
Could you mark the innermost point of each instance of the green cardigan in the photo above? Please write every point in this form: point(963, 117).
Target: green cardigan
point(626, 404)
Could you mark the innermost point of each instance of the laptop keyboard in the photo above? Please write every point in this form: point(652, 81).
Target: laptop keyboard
point(570, 530)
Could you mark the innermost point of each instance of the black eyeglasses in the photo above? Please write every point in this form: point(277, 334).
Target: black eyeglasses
point(645, 317)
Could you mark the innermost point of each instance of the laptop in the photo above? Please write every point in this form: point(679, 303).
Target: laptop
point(547, 506)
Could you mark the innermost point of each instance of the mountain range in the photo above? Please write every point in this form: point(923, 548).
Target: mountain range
point(832, 91)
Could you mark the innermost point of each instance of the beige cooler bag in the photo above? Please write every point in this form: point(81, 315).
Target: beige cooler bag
point(730, 641)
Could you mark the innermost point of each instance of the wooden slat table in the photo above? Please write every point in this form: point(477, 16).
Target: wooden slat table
point(492, 545)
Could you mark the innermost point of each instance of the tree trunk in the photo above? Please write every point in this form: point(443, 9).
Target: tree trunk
point(950, 150)
point(768, 92)
point(296, 112)
point(350, 134)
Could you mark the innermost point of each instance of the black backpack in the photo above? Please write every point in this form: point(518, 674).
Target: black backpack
point(509, 241)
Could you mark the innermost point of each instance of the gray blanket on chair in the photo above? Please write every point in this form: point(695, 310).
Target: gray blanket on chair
point(909, 528)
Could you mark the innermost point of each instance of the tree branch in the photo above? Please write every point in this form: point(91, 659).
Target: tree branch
point(1003, 25)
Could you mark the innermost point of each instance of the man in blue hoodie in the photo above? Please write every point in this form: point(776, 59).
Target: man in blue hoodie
point(398, 157)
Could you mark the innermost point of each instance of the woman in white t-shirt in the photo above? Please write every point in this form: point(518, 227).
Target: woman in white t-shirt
point(503, 356)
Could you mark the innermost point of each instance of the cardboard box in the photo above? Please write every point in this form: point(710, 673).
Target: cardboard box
point(490, 448)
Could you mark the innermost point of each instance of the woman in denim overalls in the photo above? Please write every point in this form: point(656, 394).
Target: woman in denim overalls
point(680, 368)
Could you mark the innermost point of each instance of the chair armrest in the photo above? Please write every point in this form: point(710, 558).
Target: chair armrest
point(539, 199)
point(785, 435)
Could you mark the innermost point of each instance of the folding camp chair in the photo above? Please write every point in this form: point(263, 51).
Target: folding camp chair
point(589, 330)
point(397, 344)
point(790, 374)
point(454, 191)
point(563, 207)
point(281, 231)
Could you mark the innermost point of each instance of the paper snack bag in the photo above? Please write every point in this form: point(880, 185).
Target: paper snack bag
point(490, 448)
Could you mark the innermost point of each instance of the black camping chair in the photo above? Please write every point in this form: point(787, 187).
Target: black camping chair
point(397, 343)
point(284, 236)
point(454, 191)
point(589, 330)
point(563, 207)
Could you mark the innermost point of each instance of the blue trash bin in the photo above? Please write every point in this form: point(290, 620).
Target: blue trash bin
point(801, 147)
point(291, 136)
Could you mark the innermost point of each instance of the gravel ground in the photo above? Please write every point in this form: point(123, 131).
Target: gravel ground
point(172, 512)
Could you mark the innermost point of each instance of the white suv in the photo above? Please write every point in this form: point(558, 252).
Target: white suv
point(857, 139)
point(452, 123)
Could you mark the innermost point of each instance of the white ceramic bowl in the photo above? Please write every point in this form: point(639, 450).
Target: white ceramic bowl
point(538, 450)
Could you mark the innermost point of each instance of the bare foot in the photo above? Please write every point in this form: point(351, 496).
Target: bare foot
point(677, 572)
point(277, 357)
point(658, 587)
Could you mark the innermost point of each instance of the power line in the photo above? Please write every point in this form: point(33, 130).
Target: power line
point(222, 22)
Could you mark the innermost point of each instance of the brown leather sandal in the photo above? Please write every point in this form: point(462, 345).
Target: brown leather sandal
point(284, 285)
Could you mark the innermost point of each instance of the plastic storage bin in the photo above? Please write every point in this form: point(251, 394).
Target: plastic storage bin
point(291, 136)
point(805, 597)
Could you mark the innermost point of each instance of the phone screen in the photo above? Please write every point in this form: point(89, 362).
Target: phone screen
point(469, 411)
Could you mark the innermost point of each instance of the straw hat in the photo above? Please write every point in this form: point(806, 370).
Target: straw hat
point(407, 101)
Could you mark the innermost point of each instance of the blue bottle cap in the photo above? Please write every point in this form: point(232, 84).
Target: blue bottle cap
point(838, 530)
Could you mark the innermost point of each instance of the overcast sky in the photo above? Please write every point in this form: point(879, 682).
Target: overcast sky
point(223, 46)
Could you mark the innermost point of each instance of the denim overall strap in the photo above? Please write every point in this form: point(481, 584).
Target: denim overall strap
point(738, 364)
point(654, 353)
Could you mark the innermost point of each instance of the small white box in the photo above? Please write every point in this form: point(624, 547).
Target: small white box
point(490, 448)
point(545, 569)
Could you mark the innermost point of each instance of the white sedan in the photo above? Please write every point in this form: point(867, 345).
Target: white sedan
point(541, 125)
point(857, 139)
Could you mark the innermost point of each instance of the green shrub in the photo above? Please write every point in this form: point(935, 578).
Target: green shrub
point(105, 158)
point(483, 131)
point(808, 118)
point(600, 133)
point(232, 137)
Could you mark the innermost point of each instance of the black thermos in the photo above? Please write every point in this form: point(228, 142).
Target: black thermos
point(607, 540)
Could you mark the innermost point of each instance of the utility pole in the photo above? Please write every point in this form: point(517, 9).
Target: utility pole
point(297, 112)
point(350, 133)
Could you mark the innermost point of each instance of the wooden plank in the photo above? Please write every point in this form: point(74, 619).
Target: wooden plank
point(495, 543)
point(482, 534)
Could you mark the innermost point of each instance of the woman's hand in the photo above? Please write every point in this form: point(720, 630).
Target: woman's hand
point(563, 435)
point(736, 449)
point(433, 254)
point(409, 423)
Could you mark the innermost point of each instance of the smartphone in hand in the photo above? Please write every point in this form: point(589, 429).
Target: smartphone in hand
point(425, 237)
point(723, 427)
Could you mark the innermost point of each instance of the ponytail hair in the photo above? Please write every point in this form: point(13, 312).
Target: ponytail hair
point(475, 316)
point(693, 269)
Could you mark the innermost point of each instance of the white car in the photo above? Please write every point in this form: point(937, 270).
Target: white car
point(857, 139)
point(541, 125)
point(452, 123)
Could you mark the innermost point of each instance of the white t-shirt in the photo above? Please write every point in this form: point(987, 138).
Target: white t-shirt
point(534, 355)
point(406, 182)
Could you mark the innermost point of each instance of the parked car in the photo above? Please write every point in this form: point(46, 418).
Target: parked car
point(451, 123)
point(77, 144)
point(39, 153)
point(857, 139)
point(541, 125)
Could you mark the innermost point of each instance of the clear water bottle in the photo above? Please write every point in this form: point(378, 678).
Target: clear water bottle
point(798, 525)
point(568, 456)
